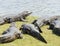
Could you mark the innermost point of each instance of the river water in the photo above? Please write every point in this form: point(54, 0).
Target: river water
point(38, 7)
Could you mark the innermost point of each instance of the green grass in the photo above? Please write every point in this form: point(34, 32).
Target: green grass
point(52, 39)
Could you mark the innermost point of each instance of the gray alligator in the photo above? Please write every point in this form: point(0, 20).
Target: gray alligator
point(45, 20)
point(55, 26)
point(13, 17)
point(53, 18)
point(10, 34)
point(33, 31)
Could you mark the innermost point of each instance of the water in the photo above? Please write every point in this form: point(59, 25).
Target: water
point(38, 7)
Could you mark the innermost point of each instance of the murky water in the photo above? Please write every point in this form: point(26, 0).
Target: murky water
point(38, 7)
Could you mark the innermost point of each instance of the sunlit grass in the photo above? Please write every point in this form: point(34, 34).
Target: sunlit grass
point(52, 39)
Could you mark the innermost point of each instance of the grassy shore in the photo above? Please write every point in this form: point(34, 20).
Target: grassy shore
point(52, 39)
